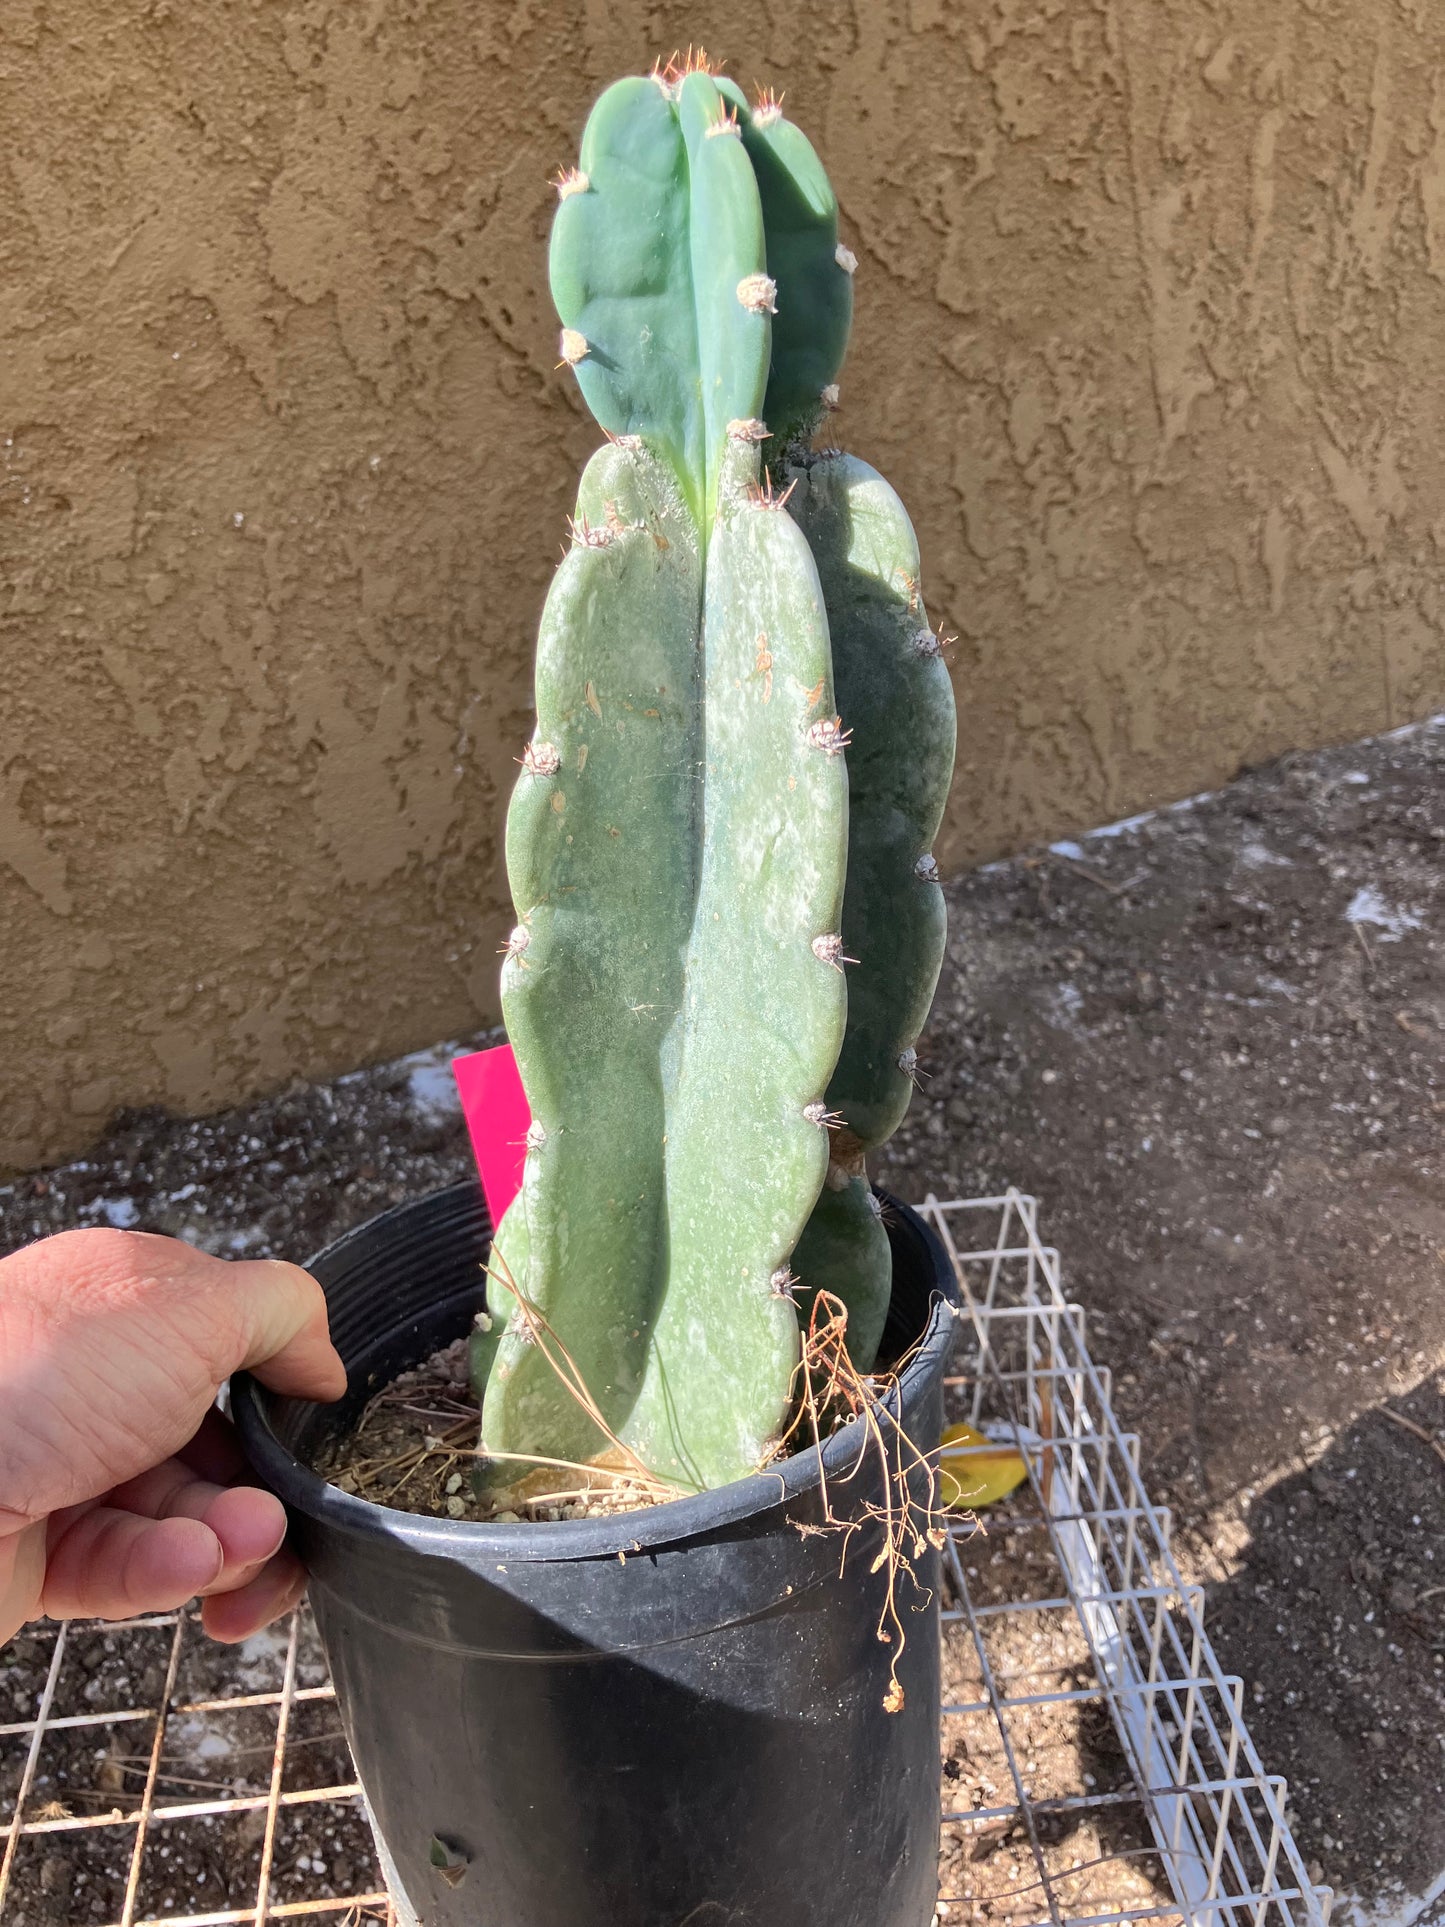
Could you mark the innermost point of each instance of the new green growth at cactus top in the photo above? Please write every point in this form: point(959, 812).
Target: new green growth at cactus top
point(729, 924)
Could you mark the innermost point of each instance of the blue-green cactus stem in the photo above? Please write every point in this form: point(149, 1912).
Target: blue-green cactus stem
point(697, 1051)
point(674, 1026)
point(659, 274)
point(894, 687)
point(811, 269)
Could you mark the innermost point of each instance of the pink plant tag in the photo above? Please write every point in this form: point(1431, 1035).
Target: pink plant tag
point(497, 1113)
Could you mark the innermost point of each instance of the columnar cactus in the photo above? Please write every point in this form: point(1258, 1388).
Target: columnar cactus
point(893, 689)
point(692, 1034)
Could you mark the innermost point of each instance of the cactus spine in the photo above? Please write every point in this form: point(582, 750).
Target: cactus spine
point(687, 1030)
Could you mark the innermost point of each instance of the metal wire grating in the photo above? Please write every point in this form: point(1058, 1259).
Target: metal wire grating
point(123, 1845)
point(1096, 1762)
point(1195, 1827)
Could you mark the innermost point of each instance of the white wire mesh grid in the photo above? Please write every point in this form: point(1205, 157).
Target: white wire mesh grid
point(138, 1797)
point(1192, 1829)
point(1194, 1826)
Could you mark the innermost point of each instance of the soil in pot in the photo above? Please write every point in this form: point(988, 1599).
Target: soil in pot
point(414, 1443)
point(413, 1447)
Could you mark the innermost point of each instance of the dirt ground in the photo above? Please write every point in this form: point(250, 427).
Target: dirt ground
point(1211, 1043)
point(192, 1865)
point(1100, 1858)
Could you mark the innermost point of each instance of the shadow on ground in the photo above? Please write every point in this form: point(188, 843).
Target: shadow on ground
point(1334, 1621)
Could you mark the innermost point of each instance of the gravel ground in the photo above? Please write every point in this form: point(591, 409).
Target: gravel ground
point(1211, 1042)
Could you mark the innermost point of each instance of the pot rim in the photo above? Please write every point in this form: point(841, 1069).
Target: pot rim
point(649, 1529)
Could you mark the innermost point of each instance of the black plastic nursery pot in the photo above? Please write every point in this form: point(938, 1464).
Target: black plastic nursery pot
point(670, 1719)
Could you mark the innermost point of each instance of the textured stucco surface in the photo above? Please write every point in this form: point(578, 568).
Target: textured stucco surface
point(1151, 336)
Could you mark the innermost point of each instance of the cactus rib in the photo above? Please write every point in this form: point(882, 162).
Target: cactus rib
point(899, 698)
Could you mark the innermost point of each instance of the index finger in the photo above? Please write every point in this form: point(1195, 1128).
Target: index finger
point(112, 1346)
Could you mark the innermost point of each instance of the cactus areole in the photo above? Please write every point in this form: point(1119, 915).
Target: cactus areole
point(728, 920)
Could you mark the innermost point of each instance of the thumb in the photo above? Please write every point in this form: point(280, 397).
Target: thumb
point(112, 1345)
point(284, 1335)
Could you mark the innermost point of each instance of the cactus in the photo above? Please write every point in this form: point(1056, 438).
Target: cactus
point(675, 987)
point(811, 271)
point(894, 689)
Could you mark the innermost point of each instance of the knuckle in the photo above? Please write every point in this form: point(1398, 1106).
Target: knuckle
point(307, 1292)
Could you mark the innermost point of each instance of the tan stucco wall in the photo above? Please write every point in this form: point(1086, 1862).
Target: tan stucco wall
point(1151, 336)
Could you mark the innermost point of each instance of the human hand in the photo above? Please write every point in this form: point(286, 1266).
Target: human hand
point(118, 1478)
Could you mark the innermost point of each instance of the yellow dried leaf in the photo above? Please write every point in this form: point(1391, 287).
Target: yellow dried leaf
point(977, 1471)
